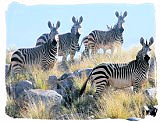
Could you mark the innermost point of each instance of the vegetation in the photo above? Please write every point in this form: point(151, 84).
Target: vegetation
point(113, 104)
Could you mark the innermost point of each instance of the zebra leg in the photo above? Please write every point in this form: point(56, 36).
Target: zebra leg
point(112, 51)
point(104, 51)
point(64, 58)
point(100, 87)
point(136, 85)
point(72, 54)
point(93, 50)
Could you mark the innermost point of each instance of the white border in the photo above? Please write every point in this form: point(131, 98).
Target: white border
point(4, 6)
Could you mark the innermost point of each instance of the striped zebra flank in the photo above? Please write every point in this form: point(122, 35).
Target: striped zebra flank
point(121, 76)
point(68, 42)
point(110, 39)
point(43, 55)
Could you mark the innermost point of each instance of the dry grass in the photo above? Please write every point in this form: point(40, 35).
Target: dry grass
point(121, 104)
point(113, 104)
point(35, 111)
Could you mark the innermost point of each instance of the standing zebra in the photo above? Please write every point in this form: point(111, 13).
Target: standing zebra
point(129, 74)
point(44, 55)
point(68, 42)
point(105, 39)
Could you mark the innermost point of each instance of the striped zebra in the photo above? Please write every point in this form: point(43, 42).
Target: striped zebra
point(68, 42)
point(44, 55)
point(124, 75)
point(105, 39)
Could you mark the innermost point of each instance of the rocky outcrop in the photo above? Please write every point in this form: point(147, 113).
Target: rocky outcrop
point(18, 89)
point(47, 97)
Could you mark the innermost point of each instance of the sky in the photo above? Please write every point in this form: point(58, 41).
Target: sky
point(24, 24)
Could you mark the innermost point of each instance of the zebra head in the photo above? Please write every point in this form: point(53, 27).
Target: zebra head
point(76, 26)
point(144, 54)
point(120, 18)
point(76, 31)
point(54, 31)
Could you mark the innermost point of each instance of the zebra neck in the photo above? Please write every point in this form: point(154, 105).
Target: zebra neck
point(78, 35)
point(52, 43)
point(142, 64)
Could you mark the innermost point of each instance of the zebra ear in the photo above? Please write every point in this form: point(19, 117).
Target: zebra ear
point(117, 14)
point(125, 14)
point(73, 19)
point(151, 41)
point(80, 20)
point(142, 41)
point(50, 25)
point(58, 25)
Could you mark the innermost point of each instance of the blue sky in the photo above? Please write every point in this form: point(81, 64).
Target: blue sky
point(26, 23)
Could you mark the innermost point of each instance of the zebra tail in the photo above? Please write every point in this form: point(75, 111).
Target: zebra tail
point(9, 70)
point(84, 85)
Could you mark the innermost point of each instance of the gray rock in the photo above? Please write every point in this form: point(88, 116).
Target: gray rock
point(48, 97)
point(17, 89)
point(151, 93)
point(63, 66)
point(65, 75)
point(52, 82)
point(7, 66)
point(80, 73)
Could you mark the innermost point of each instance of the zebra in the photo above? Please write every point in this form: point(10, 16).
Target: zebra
point(68, 42)
point(105, 39)
point(121, 76)
point(43, 55)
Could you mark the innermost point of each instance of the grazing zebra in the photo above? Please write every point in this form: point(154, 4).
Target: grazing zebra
point(105, 39)
point(124, 75)
point(44, 55)
point(68, 42)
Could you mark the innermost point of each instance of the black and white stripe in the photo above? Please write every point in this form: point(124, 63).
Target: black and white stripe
point(133, 73)
point(68, 42)
point(105, 39)
point(44, 55)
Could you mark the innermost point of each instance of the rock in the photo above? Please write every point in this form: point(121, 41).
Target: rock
point(17, 89)
point(6, 68)
point(63, 66)
point(48, 97)
point(66, 89)
point(80, 73)
point(52, 82)
point(133, 119)
point(65, 75)
point(151, 93)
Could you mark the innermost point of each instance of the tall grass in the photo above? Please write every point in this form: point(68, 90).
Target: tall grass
point(112, 104)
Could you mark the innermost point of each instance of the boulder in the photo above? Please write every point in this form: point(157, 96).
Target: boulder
point(66, 89)
point(65, 75)
point(47, 97)
point(6, 70)
point(80, 73)
point(52, 82)
point(18, 88)
point(151, 93)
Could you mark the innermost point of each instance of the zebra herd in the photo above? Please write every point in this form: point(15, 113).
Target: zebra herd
point(49, 46)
